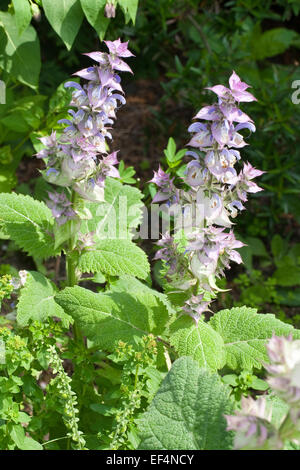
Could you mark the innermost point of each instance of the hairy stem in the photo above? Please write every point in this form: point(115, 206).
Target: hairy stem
point(71, 268)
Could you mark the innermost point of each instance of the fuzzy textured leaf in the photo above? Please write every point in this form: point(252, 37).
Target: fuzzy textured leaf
point(133, 285)
point(118, 215)
point(188, 411)
point(29, 223)
point(36, 301)
point(201, 342)
point(65, 17)
point(116, 257)
point(245, 333)
point(107, 318)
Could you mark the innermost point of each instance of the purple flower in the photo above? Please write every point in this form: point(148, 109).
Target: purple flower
point(61, 207)
point(165, 183)
point(208, 113)
point(110, 10)
point(119, 48)
point(86, 241)
point(90, 189)
point(245, 184)
point(253, 430)
point(195, 307)
point(107, 168)
point(217, 192)
point(237, 91)
point(284, 368)
point(195, 174)
point(78, 159)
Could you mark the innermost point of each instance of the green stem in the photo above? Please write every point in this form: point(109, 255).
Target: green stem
point(71, 269)
point(136, 376)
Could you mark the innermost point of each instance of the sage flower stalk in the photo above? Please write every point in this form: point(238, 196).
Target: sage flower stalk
point(78, 159)
point(218, 191)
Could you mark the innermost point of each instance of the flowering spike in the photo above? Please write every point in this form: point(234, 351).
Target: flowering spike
point(217, 193)
point(78, 159)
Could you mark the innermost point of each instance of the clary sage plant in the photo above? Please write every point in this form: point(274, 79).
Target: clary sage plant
point(217, 191)
point(93, 353)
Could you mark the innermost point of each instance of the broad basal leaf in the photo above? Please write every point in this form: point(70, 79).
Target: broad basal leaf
point(36, 301)
point(201, 342)
point(245, 334)
point(188, 411)
point(29, 223)
point(106, 318)
point(120, 212)
point(116, 257)
point(20, 54)
point(65, 17)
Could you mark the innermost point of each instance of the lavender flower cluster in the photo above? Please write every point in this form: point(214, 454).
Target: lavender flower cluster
point(252, 424)
point(78, 159)
point(217, 192)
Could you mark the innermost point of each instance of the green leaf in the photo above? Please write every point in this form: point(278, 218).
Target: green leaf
point(94, 13)
point(31, 444)
point(22, 14)
point(277, 245)
point(23, 442)
point(118, 215)
point(132, 285)
point(187, 412)
point(15, 122)
point(287, 276)
point(180, 154)
point(116, 257)
point(126, 173)
point(8, 179)
point(24, 114)
point(200, 342)
point(279, 409)
point(289, 297)
point(256, 246)
point(114, 316)
point(171, 149)
point(36, 301)
point(20, 54)
point(29, 223)
point(259, 384)
point(273, 42)
point(253, 247)
point(65, 17)
point(61, 98)
point(245, 334)
point(230, 379)
point(130, 9)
